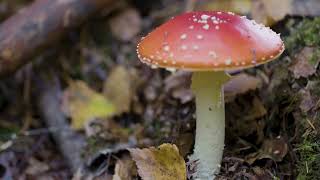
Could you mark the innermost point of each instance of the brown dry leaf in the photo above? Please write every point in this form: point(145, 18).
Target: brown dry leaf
point(258, 110)
point(162, 163)
point(307, 101)
point(275, 149)
point(178, 84)
point(270, 11)
point(36, 167)
point(126, 25)
point(83, 104)
point(240, 84)
point(185, 143)
point(125, 169)
point(241, 7)
point(244, 119)
point(120, 88)
point(302, 66)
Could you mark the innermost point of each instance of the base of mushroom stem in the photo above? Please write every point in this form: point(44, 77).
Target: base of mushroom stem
point(210, 127)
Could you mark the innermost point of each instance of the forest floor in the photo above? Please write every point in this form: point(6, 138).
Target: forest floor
point(106, 101)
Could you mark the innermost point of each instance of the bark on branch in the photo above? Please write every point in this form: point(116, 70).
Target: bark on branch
point(39, 25)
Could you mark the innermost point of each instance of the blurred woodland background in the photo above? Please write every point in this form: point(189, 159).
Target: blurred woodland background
point(74, 96)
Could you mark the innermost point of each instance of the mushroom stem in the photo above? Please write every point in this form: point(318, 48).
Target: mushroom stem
point(210, 130)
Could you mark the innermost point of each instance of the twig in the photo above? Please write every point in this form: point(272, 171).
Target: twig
point(69, 142)
point(39, 25)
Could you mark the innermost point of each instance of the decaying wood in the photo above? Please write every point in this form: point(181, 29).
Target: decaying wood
point(68, 141)
point(38, 25)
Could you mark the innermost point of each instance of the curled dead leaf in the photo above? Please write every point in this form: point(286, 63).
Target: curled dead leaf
point(162, 163)
point(240, 84)
point(125, 169)
point(302, 65)
point(307, 101)
point(275, 149)
point(83, 104)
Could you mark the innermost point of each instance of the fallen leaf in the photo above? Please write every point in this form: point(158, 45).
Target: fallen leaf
point(83, 104)
point(307, 101)
point(270, 11)
point(245, 118)
point(125, 169)
point(36, 167)
point(241, 7)
point(275, 149)
point(303, 66)
point(185, 143)
point(258, 110)
point(240, 84)
point(126, 25)
point(120, 88)
point(178, 85)
point(162, 163)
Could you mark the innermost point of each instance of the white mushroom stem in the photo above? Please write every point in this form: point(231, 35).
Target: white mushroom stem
point(209, 142)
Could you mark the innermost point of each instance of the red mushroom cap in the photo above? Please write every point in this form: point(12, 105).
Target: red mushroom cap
point(210, 40)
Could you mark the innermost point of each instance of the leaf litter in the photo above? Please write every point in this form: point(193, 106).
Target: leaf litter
point(154, 106)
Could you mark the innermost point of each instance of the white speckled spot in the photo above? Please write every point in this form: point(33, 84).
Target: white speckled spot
point(171, 69)
point(154, 66)
point(195, 47)
point(184, 47)
point(206, 26)
point(191, 27)
point(205, 17)
point(217, 27)
point(212, 54)
point(202, 21)
point(183, 36)
point(166, 48)
point(199, 36)
point(215, 22)
point(228, 61)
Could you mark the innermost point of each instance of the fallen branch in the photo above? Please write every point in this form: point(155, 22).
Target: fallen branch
point(39, 25)
point(68, 141)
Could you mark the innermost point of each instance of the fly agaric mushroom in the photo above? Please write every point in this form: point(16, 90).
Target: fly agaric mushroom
point(208, 43)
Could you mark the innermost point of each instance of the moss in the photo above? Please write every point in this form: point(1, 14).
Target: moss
point(307, 34)
point(309, 164)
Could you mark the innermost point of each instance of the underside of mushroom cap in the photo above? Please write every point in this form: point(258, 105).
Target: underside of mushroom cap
point(210, 40)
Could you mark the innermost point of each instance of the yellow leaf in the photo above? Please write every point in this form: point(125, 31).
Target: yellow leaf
point(270, 11)
point(162, 163)
point(84, 104)
point(125, 169)
point(120, 88)
point(237, 6)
